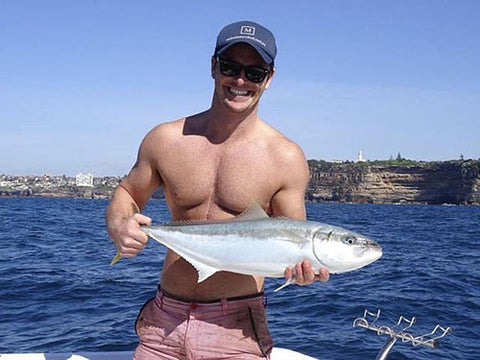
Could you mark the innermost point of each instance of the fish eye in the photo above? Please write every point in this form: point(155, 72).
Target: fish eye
point(350, 240)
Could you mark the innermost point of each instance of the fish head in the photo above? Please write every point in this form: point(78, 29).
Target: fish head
point(341, 250)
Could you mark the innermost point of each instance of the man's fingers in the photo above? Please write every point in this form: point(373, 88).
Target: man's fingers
point(300, 280)
point(323, 275)
point(308, 274)
point(130, 247)
point(288, 273)
point(129, 239)
point(304, 274)
point(134, 241)
point(142, 219)
point(128, 253)
point(133, 232)
point(134, 244)
point(137, 235)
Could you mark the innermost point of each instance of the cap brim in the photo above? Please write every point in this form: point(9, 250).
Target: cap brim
point(257, 48)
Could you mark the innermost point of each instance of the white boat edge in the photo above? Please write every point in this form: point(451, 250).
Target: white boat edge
point(277, 354)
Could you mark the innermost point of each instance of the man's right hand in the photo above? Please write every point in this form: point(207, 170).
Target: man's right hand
point(127, 236)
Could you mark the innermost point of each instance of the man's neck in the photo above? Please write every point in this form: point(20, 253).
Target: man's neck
point(221, 124)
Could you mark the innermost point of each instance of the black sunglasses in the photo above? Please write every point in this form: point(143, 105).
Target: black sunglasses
point(255, 74)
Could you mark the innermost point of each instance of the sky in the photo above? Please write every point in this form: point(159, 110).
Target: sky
point(82, 82)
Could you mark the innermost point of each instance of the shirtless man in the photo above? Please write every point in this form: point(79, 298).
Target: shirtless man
point(211, 166)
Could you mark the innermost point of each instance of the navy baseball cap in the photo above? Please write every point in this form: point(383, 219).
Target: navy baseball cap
point(260, 38)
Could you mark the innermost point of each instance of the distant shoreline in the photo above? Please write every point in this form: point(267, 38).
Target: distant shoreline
point(306, 201)
point(399, 181)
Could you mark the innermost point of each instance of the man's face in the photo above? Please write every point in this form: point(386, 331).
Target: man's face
point(237, 92)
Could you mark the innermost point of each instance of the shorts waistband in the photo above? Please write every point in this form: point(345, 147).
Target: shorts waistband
point(213, 301)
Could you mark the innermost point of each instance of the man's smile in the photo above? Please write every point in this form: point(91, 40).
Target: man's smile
point(238, 92)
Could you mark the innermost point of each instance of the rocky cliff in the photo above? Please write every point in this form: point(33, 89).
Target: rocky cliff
point(451, 182)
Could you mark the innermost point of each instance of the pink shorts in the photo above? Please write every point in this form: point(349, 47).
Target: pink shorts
point(226, 329)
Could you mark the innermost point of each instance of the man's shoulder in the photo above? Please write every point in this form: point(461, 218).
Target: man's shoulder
point(287, 159)
point(167, 129)
point(283, 148)
point(161, 137)
point(177, 129)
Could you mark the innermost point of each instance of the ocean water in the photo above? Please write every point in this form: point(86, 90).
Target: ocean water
point(58, 292)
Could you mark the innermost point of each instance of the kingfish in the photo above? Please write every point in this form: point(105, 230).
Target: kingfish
point(255, 244)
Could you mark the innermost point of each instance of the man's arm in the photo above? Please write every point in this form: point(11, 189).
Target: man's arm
point(289, 201)
point(123, 216)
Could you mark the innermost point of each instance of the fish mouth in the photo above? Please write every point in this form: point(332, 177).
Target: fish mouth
point(379, 249)
point(372, 248)
point(377, 253)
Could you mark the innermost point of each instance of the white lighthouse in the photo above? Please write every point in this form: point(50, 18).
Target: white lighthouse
point(360, 156)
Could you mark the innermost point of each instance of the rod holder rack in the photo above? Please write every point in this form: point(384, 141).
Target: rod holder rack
point(432, 339)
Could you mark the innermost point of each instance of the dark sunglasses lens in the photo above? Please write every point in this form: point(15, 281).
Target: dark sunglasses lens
point(255, 74)
point(229, 68)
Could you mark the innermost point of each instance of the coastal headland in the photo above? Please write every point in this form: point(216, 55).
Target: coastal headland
point(398, 181)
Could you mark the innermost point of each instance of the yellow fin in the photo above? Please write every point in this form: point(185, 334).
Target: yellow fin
point(115, 259)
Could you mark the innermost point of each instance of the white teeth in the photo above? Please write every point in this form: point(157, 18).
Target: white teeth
point(238, 92)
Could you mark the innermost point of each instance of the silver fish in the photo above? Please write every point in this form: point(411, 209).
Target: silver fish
point(255, 244)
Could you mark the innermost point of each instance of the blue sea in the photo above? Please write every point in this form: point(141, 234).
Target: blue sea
point(59, 294)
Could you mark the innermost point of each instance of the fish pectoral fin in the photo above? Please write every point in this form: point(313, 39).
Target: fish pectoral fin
point(292, 280)
point(204, 271)
point(292, 236)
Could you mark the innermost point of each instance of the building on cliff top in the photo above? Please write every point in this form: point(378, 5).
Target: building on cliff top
point(84, 180)
point(360, 157)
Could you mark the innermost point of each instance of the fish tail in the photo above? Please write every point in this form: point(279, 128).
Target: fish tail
point(115, 259)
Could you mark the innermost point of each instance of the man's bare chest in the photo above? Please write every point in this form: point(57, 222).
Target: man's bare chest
point(230, 179)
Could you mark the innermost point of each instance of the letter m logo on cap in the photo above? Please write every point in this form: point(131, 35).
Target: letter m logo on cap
point(247, 30)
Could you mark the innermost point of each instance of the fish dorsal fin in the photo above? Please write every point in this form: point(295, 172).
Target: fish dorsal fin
point(253, 212)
